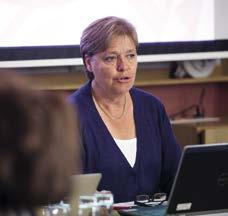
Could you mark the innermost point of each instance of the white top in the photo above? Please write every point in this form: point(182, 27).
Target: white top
point(128, 148)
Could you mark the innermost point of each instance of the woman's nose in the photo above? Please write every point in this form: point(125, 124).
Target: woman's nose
point(122, 64)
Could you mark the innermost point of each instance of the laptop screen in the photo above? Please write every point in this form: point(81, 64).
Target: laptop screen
point(201, 183)
point(85, 184)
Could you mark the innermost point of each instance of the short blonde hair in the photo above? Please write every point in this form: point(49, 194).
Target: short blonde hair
point(96, 37)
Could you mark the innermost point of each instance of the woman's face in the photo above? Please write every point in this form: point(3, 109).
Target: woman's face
point(114, 69)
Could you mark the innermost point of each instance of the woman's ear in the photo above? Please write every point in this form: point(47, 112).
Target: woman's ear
point(87, 60)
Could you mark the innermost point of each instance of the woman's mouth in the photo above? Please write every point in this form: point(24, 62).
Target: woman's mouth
point(123, 79)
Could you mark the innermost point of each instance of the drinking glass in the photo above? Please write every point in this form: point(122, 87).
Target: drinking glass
point(99, 204)
point(61, 209)
point(86, 206)
point(104, 203)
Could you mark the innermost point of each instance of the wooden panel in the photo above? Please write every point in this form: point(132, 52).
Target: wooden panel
point(223, 99)
point(185, 134)
point(201, 132)
point(215, 135)
point(179, 97)
point(176, 94)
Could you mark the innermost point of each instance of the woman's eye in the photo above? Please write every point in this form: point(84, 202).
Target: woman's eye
point(131, 55)
point(110, 58)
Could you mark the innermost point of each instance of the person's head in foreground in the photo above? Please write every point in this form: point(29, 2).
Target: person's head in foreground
point(37, 146)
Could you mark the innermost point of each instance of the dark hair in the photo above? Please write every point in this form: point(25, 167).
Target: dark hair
point(37, 145)
point(96, 37)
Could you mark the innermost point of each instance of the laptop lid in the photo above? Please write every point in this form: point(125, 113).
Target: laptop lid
point(201, 182)
point(85, 184)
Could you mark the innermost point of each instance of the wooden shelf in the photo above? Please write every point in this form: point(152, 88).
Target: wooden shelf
point(62, 81)
point(202, 132)
point(71, 81)
point(150, 77)
point(157, 82)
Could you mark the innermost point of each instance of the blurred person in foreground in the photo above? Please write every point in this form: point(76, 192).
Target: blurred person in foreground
point(37, 147)
point(126, 133)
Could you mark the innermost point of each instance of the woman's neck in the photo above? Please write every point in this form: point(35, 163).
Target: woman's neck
point(113, 106)
point(107, 97)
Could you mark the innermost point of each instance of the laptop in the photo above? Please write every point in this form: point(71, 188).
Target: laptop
point(201, 182)
point(85, 184)
point(200, 185)
point(82, 184)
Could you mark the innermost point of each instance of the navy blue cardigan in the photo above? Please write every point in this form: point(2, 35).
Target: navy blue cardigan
point(157, 154)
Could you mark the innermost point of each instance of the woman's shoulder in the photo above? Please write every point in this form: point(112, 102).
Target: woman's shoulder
point(81, 95)
point(142, 96)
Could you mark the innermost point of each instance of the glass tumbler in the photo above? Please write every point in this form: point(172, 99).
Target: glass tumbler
point(61, 209)
point(104, 204)
point(98, 204)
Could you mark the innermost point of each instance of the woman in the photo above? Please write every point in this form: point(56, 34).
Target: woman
point(126, 133)
point(37, 147)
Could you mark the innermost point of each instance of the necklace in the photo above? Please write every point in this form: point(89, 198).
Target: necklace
point(107, 113)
